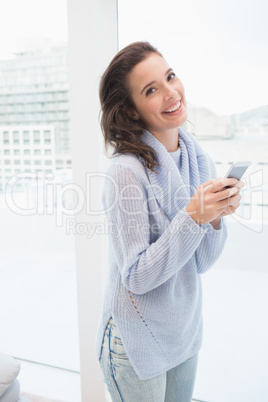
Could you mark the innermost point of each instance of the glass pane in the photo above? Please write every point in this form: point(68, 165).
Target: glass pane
point(38, 287)
point(219, 50)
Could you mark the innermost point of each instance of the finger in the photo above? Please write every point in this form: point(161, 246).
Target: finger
point(231, 209)
point(219, 184)
point(226, 193)
point(207, 183)
point(228, 201)
point(235, 200)
point(240, 184)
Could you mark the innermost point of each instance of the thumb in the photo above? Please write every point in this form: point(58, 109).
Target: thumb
point(208, 183)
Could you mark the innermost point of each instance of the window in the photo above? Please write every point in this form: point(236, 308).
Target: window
point(6, 137)
point(219, 46)
point(37, 151)
point(42, 250)
point(47, 137)
point(36, 136)
point(15, 137)
point(26, 152)
point(26, 137)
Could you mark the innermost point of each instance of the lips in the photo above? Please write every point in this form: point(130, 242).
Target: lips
point(173, 108)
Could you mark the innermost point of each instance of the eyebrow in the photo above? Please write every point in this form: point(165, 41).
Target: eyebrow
point(153, 82)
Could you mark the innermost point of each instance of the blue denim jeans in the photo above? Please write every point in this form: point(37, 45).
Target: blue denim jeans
point(175, 385)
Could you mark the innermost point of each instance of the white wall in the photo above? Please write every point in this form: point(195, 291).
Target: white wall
point(92, 43)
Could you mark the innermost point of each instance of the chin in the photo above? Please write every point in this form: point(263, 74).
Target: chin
point(185, 117)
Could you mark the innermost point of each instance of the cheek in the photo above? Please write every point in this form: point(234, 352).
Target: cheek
point(148, 109)
point(153, 106)
point(182, 89)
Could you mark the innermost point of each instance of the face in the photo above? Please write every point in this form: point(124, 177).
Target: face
point(158, 96)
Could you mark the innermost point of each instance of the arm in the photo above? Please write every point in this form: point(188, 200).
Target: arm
point(211, 246)
point(144, 266)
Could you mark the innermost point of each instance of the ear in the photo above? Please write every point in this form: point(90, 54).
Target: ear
point(133, 114)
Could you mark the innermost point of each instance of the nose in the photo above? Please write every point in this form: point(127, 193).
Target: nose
point(169, 92)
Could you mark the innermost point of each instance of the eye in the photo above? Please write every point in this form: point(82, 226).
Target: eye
point(171, 76)
point(150, 91)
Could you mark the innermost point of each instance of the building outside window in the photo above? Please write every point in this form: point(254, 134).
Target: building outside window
point(37, 244)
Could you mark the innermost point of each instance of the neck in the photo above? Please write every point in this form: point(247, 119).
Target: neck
point(170, 139)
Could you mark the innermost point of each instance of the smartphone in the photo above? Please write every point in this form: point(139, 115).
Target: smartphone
point(237, 170)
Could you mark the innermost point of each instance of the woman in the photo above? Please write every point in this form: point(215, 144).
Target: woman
point(165, 212)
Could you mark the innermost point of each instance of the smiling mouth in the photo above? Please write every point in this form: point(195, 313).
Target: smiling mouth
point(174, 108)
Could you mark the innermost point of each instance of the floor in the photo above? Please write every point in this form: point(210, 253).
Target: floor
point(54, 385)
point(36, 398)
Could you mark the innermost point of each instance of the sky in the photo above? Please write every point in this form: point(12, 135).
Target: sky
point(20, 19)
point(219, 49)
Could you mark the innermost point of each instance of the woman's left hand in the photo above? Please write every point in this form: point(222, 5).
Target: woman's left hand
point(232, 207)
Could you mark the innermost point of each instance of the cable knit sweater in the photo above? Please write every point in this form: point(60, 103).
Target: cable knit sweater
point(156, 255)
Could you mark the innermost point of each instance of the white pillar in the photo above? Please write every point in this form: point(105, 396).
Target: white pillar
point(92, 44)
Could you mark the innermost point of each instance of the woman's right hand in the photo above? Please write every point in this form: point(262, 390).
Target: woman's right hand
point(212, 198)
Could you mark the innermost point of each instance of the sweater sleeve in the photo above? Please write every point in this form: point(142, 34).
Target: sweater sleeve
point(144, 266)
point(211, 246)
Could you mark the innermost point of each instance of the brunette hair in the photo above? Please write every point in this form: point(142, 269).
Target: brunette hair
point(121, 131)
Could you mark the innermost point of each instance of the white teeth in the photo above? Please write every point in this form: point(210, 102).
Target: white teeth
point(176, 107)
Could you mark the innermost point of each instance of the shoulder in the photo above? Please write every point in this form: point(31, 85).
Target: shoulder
point(127, 164)
point(125, 175)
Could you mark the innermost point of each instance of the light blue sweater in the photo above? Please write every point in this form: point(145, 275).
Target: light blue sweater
point(156, 255)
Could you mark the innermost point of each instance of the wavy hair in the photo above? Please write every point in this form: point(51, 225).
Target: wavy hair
point(121, 131)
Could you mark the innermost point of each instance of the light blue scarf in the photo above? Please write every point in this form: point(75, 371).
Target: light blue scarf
point(174, 187)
